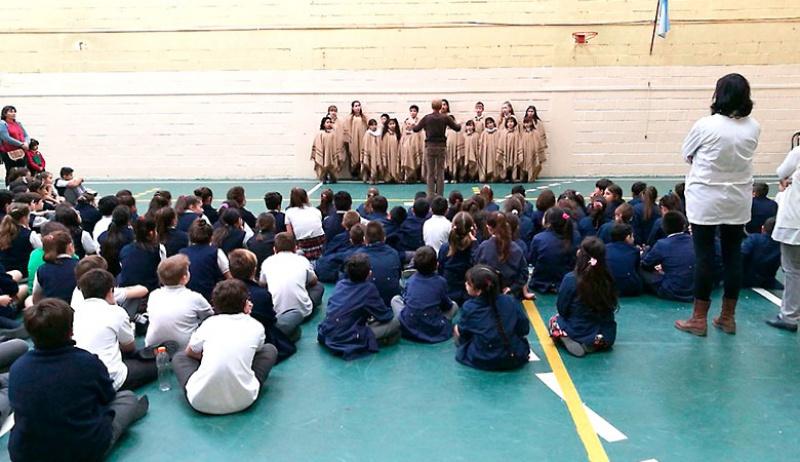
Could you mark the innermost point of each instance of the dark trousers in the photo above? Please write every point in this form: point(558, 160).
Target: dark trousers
point(140, 373)
point(264, 359)
point(704, 249)
point(434, 168)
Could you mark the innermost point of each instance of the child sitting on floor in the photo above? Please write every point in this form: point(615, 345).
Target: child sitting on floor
point(669, 265)
point(208, 264)
point(761, 256)
point(357, 319)
point(492, 331)
point(56, 278)
point(329, 266)
point(263, 242)
point(586, 303)
point(457, 255)
point(552, 252)
point(425, 309)
point(227, 361)
point(624, 260)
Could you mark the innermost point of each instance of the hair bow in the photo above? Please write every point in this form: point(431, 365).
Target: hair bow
point(565, 216)
point(592, 261)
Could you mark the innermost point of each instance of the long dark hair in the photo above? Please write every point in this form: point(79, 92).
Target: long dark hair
point(353, 112)
point(264, 224)
point(325, 201)
point(322, 122)
point(4, 113)
point(120, 218)
point(55, 244)
point(732, 97)
point(560, 222)
point(598, 212)
point(397, 132)
point(298, 198)
point(459, 238)
point(165, 220)
point(595, 285)
point(535, 114)
point(502, 234)
point(649, 196)
point(229, 220)
point(487, 281)
point(144, 231)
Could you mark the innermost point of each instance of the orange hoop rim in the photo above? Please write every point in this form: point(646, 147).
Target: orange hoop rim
point(583, 37)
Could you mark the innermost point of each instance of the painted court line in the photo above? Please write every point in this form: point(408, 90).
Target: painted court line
point(315, 188)
point(601, 426)
point(7, 425)
point(768, 295)
point(591, 442)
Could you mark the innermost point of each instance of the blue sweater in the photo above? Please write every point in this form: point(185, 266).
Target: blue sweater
point(330, 264)
point(643, 228)
point(61, 407)
point(762, 209)
point(623, 262)
point(580, 322)
point(186, 219)
point(263, 245)
point(551, 259)
point(454, 270)
point(16, 256)
point(344, 329)
point(426, 300)
point(761, 258)
point(481, 345)
point(139, 266)
point(176, 240)
point(409, 236)
point(513, 271)
point(386, 269)
point(675, 254)
point(203, 269)
point(57, 279)
point(332, 225)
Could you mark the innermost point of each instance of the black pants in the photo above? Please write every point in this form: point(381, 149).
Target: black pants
point(704, 249)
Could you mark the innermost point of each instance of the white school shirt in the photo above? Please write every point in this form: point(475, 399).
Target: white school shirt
point(88, 243)
point(100, 328)
point(719, 185)
point(435, 231)
point(306, 222)
point(175, 313)
point(225, 382)
point(286, 275)
point(787, 223)
point(102, 225)
point(120, 297)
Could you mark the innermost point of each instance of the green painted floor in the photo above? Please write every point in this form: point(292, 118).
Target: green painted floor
point(676, 397)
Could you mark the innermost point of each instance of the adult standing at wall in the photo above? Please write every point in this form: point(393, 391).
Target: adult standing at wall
point(13, 137)
point(719, 187)
point(787, 232)
point(435, 124)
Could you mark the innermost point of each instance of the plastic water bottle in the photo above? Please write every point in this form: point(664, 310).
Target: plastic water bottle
point(162, 363)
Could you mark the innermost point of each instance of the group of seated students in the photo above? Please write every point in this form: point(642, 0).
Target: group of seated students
point(225, 292)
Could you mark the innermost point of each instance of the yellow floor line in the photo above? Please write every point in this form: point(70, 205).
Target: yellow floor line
point(590, 440)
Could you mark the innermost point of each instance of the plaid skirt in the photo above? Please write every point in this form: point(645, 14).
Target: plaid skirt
point(311, 248)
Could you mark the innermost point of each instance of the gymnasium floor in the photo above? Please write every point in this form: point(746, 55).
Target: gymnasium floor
point(660, 395)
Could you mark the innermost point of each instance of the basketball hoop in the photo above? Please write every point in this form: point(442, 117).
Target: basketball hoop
point(583, 37)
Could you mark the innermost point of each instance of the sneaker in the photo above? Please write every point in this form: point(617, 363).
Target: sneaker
point(779, 323)
point(574, 348)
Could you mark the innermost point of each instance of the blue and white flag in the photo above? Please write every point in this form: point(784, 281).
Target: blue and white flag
point(662, 23)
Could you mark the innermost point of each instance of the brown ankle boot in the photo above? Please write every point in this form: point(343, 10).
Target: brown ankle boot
point(697, 324)
point(726, 320)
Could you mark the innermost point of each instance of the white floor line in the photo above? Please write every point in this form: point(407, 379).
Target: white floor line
point(650, 460)
point(601, 426)
point(7, 425)
point(768, 295)
point(314, 189)
point(532, 357)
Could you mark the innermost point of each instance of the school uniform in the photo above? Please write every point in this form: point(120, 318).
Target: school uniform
point(211, 213)
point(204, 268)
point(763, 208)
point(656, 233)
point(623, 261)
point(586, 226)
point(247, 217)
point(89, 216)
point(526, 228)
point(454, 269)
point(581, 323)
point(280, 220)
point(480, 343)
point(139, 265)
point(761, 257)
point(330, 263)
point(491, 207)
point(16, 256)
point(332, 225)
point(175, 241)
point(186, 219)
point(386, 269)
point(636, 200)
point(642, 228)
point(409, 236)
point(263, 245)
point(8, 287)
point(362, 210)
point(611, 207)
point(234, 240)
point(523, 245)
point(100, 328)
point(286, 276)
point(513, 271)
point(57, 279)
point(125, 239)
point(175, 313)
point(527, 209)
point(675, 254)
point(604, 233)
point(435, 231)
point(389, 227)
point(345, 330)
point(264, 312)
point(426, 309)
point(536, 217)
point(551, 260)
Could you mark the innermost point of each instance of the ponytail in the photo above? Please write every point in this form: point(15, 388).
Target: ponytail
point(110, 249)
point(459, 238)
point(502, 234)
point(649, 200)
point(598, 212)
point(9, 227)
point(561, 223)
point(55, 244)
point(487, 281)
point(595, 285)
point(229, 220)
point(144, 232)
point(165, 219)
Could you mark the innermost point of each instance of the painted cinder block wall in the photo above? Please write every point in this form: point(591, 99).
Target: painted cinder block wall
point(171, 89)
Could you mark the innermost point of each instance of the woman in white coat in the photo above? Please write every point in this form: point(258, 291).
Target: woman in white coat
point(719, 191)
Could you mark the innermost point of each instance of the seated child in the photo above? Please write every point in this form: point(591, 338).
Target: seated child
point(88, 211)
point(294, 287)
point(273, 201)
point(623, 261)
point(410, 233)
point(227, 361)
point(645, 215)
point(175, 312)
point(488, 196)
point(552, 252)
point(263, 242)
point(139, 260)
point(356, 318)
point(391, 229)
point(457, 255)
point(341, 240)
point(122, 295)
point(17, 241)
point(674, 255)
point(103, 328)
point(436, 228)
point(332, 224)
point(207, 264)
point(229, 234)
point(613, 197)
point(761, 257)
point(65, 405)
point(763, 208)
point(330, 265)
point(595, 218)
point(34, 158)
point(384, 261)
point(623, 214)
point(636, 190)
point(425, 309)
point(68, 186)
point(118, 235)
point(206, 197)
point(56, 278)
point(514, 224)
point(364, 209)
point(502, 254)
point(243, 267)
point(455, 199)
point(188, 209)
point(586, 303)
point(544, 202)
point(492, 331)
point(169, 236)
point(667, 202)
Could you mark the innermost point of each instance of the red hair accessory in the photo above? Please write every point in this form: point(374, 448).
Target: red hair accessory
point(565, 216)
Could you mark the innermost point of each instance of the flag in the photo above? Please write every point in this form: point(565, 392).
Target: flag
point(662, 22)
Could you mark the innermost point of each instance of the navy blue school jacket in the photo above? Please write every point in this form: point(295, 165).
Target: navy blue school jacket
point(761, 258)
point(375, 216)
point(337, 243)
point(523, 245)
point(234, 240)
point(16, 256)
point(536, 219)
point(263, 245)
point(186, 219)
point(139, 266)
point(580, 322)
point(344, 329)
point(675, 254)
point(61, 400)
point(526, 228)
point(57, 279)
point(203, 269)
point(635, 200)
point(656, 233)
point(332, 225)
point(362, 210)
point(175, 241)
point(264, 312)
point(426, 301)
point(604, 233)
point(280, 220)
point(454, 270)
point(481, 344)
point(642, 228)
point(513, 271)
point(211, 213)
point(330, 264)
point(409, 236)
point(623, 262)
point(386, 269)
point(611, 207)
point(89, 216)
point(551, 259)
point(762, 209)
point(491, 207)
point(586, 226)
point(527, 209)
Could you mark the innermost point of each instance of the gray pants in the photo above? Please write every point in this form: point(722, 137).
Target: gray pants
point(434, 168)
point(10, 350)
point(790, 261)
point(5, 404)
point(383, 330)
point(263, 360)
point(127, 409)
point(398, 304)
point(289, 320)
